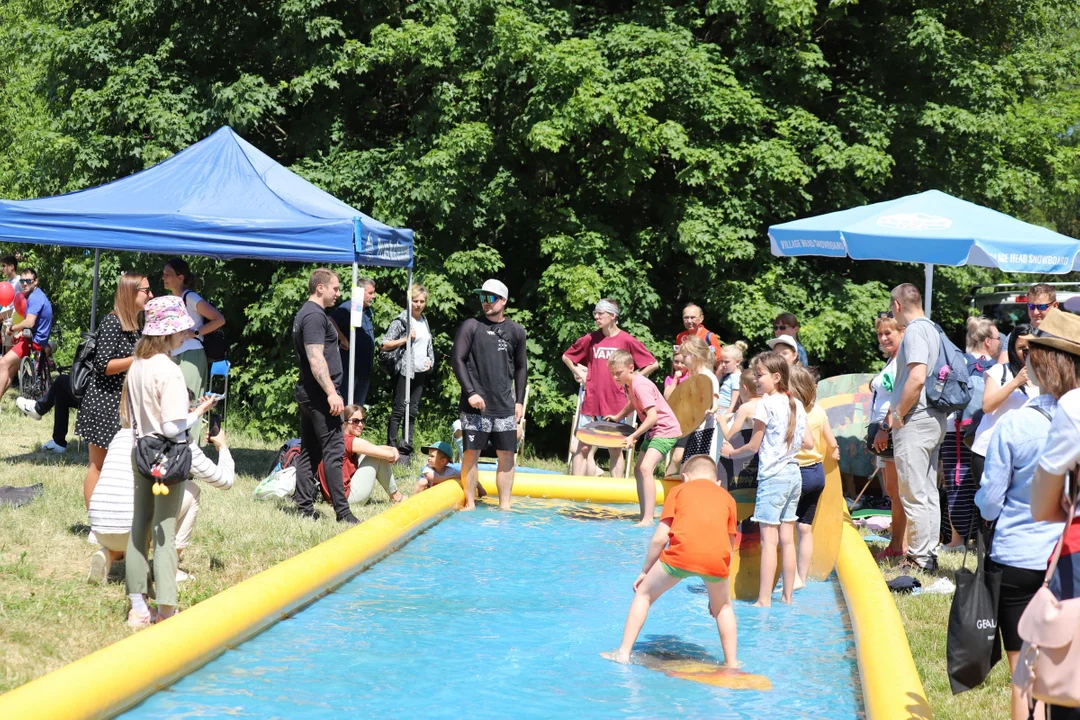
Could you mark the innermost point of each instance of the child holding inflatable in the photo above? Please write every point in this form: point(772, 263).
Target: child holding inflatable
point(694, 539)
point(658, 426)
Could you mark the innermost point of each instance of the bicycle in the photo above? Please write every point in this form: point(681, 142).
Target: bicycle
point(36, 369)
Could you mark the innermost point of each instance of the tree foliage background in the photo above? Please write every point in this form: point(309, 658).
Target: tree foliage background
point(636, 150)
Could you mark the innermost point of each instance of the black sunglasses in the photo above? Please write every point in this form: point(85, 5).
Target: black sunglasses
point(355, 421)
point(488, 298)
point(886, 314)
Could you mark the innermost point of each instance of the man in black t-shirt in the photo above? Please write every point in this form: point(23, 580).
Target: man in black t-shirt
point(491, 367)
point(315, 341)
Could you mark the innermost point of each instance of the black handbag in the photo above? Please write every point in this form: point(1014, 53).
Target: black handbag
point(871, 432)
point(166, 461)
point(215, 345)
point(973, 645)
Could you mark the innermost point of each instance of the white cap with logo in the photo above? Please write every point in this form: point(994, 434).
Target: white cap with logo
point(783, 340)
point(494, 287)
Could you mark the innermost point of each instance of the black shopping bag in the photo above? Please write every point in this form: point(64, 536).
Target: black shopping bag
point(973, 646)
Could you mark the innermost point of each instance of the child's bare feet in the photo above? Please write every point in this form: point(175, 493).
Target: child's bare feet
point(799, 583)
point(759, 603)
point(644, 523)
point(469, 506)
point(787, 600)
point(616, 656)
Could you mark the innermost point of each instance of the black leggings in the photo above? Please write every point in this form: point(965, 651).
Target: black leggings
point(59, 395)
point(397, 415)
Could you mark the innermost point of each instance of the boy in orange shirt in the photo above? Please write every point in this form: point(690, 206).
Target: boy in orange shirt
point(694, 539)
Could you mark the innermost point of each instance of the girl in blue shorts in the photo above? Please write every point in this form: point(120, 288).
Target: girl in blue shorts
point(779, 433)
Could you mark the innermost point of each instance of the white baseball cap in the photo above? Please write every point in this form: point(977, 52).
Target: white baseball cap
point(494, 287)
point(783, 340)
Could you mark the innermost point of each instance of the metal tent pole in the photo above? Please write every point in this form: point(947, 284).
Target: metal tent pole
point(93, 297)
point(352, 334)
point(408, 351)
point(929, 289)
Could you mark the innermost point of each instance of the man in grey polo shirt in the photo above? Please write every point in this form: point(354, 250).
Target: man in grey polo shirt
point(918, 430)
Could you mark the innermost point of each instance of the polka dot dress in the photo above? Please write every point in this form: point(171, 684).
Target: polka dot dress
point(99, 417)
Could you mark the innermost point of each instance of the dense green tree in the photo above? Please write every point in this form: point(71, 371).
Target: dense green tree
point(635, 150)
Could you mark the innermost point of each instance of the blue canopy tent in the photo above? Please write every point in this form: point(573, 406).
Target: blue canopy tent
point(932, 228)
point(219, 198)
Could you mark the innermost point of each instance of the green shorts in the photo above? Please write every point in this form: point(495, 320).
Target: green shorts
point(683, 574)
point(660, 445)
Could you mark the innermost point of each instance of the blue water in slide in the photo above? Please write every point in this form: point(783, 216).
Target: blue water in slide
point(497, 615)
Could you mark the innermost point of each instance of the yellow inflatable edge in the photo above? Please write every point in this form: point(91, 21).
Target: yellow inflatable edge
point(890, 683)
point(117, 677)
point(603, 490)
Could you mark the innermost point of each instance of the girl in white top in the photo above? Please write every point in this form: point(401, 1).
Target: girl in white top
point(156, 402)
point(699, 359)
point(889, 335)
point(180, 281)
point(1007, 387)
point(780, 431)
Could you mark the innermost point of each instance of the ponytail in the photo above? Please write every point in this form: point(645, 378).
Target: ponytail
point(791, 420)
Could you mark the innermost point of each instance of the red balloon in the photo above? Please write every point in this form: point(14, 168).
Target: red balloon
point(20, 304)
point(7, 293)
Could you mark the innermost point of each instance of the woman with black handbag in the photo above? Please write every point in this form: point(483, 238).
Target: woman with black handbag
point(156, 407)
point(889, 335)
point(1021, 545)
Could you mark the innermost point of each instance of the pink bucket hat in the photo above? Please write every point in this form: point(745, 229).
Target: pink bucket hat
point(166, 316)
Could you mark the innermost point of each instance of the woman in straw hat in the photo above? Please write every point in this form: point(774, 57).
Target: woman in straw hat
point(156, 402)
point(1058, 337)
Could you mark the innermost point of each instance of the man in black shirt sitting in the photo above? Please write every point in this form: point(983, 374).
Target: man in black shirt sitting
point(490, 364)
point(315, 341)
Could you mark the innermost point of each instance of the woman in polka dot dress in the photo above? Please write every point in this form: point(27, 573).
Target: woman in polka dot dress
point(99, 417)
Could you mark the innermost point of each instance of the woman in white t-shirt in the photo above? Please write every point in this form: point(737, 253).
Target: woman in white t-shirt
point(1007, 387)
point(179, 280)
point(415, 366)
point(699, 359)
point(156, 402)
point(889, 335)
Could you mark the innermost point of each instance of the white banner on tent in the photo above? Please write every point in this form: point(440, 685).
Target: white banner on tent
point(358, 306)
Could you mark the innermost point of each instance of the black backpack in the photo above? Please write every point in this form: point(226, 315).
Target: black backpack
point(286, 457)
point(82, 367)
point(215, 344)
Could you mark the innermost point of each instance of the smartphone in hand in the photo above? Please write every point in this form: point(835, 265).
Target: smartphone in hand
point(215, 425)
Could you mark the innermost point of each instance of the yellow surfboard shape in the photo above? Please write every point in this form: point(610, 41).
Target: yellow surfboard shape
point(707, 673)
point(828, 527)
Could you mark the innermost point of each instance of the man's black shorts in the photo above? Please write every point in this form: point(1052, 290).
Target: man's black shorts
point(476, 429)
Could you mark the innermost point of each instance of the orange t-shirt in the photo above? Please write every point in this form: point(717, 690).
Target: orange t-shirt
point(706, 335)
point(702, 515)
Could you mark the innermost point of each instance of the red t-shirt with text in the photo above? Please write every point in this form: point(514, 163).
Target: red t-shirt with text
point(602, 395)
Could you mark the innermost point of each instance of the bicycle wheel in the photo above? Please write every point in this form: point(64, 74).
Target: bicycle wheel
point(28, 379)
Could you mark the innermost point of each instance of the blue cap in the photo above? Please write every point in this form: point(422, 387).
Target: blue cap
point(444, 447)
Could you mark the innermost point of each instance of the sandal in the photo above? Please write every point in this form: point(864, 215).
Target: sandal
point(139, 621)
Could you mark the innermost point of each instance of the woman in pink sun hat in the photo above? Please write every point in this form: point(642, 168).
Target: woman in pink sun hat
point(157, 402)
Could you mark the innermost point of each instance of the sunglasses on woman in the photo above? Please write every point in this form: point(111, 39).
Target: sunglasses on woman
point(781, 327)
point(355, 422)
point(886, 314)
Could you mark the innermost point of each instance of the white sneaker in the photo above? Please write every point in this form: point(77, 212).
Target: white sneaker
point(51, 445)
point(29, 408)
point(99, 567)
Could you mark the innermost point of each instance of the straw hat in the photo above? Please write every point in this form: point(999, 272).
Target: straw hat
point(165, 316)
point(1059, 330)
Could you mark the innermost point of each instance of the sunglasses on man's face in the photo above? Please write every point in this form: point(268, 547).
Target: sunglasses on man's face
point(1041, 307)
point(488, 298)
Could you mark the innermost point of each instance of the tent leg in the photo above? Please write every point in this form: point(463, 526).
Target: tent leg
point(93, 297)
point(408, 352)
point(352, 336)
point(929, 289)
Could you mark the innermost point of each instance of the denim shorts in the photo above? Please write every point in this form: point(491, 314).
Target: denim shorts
point(778, 496)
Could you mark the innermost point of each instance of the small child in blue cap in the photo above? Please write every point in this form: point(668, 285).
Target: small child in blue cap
point(438, 468)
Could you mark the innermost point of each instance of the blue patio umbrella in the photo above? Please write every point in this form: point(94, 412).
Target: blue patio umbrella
point(932, 228)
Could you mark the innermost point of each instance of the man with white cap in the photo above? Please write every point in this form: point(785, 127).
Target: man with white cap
point(490, 363)
point(587, 359)
point(786, 347)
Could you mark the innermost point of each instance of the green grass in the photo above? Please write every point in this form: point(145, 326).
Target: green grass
point(50, 616)
point(926, 619)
